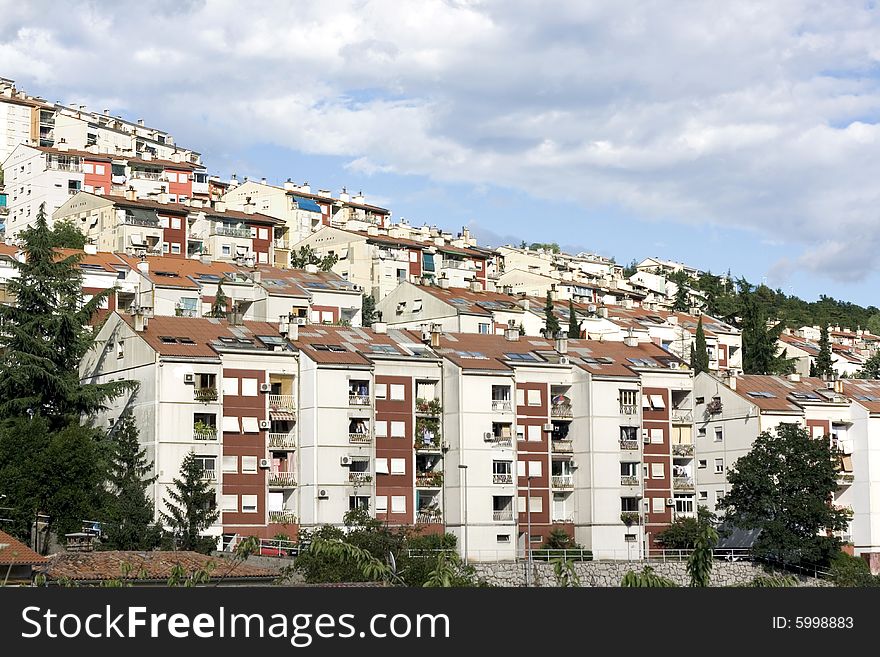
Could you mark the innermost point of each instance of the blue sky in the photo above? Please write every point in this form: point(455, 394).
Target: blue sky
point(741, 137)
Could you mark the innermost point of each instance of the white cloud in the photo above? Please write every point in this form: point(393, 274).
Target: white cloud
point(761, 116)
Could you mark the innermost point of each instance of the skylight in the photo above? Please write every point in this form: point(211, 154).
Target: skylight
point(524, 356)
point(762, 395)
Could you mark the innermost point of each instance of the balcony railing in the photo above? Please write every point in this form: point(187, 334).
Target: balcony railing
point(282, 403)
point(58, 166)
point(501, 405)
point(360, 438)
point(428, 517)
point(683, 450)
point(683, 483)
point(682, 415)
point(505, 515)
point(146, 175)
point(429, 479)
point(845, 479)
point(231, 231)
point(500, 441)
point(205, 394)
point(360, 477)
point(628, 409)
point(358, 400)
point(629, 445)
point(283, 517)
point(502, 478)
point(209, 475)
point(561, 411)
point(281, 441)
point(629, 480)
point(205, 433)
point(562, 446)
point(562, 481)
point(422, 445)
point(282, 479)
point(144, 223)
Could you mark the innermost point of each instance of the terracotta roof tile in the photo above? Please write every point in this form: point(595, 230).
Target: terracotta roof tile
point(14, 552)
point(785, 395)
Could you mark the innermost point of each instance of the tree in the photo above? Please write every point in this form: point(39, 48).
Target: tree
point(646, 579)
point(759, 342)
point(552, 247)
point(368, 310)
point(683, 532)
point(784, 487)
point(46, 334)
point(191, 508)
point(551, 324)
point(871, 368)
point(699, 563)
point(218, 307)
point(682, 281)
point(65, 235)
point(307, 256)
point(631, 268)
point(574, 326)
point(701, 351)
point(128, 510)
point(823, 360)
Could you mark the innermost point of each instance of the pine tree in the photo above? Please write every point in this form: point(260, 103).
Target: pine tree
point(129, 511)
point(823, 360)
point(551, 324)
point(45, 335)
point(218, 308)
point(574, 326)
point(191, 507)
point(759, 342)
point(700, 363)
point(681, 280)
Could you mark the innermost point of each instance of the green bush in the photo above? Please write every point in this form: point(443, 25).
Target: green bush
point(852, 572)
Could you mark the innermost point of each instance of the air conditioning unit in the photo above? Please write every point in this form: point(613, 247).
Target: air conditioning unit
point(563, 360)
point(488, 435)
point(264, 463)
point(670, 501)
point(345, 460)
point(299, 321)
point(265, 424)
point(548, 426)
point(265, 387)
point(322, 494)
point(189, 378)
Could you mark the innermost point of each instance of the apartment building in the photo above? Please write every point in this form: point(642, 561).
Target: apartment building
point(379, 262)
point(16, 112)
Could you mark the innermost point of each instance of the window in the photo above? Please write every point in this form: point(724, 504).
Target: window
point(381, 504)
point(502, 538)
point(719, 495)
point(381, 428)
point(534, 468)
point(520, 397)
point(226, 249)
point(166, 247)
point(229, 503)
point(248, 503)
point(658, 504)
point(417, 305)
point(700, 400)
point(230, 386)
point(249, 464)
point(629, 504)
point(701, 464)
point(175, 223)
point(704, 495)
point(483, 328)
point(264, 233)
point(719, 466)
point(701, 432)
point(230, 464)
point(658, 471)
point(534, 397)
point(359, 502)
point(520, 433)
point(520, 468)
point(248, 387)
point(120, 348)
point(88, 168)
point(628, 400)
point(657, 436)
point(534, 432)
point(501, 467)
point(684, 504)
point(398, 392)
point(398, 466)
point(398, 429)
point(501, 393)
point(536, 504)
point(719, 434)
point(629, 433)
point(398, 504)
point(250, 425)
point(629, 469)
point(381, 391)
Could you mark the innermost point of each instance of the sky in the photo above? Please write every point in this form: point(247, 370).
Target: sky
point(731, 136)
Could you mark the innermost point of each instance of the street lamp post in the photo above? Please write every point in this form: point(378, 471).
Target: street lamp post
point(529, 530)
point(463, 469)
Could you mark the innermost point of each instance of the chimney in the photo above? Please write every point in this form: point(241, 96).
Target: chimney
point(628, 303)
point(561, 345)
point(289, 186)
point(147, 156)
point(476, 286)
point(672, 319)
point(90, 249)
point(205, 259)
point(511, 333)
point(359, 198)
point(162, 197)
point(630, 340)
point(106, 112)
point(140, 122)
point(220, 206)
point(794, 377)
point(380, 327)
point(293, 332)
point(372, 229)
point(143, 267)
point(62, 145)
point(305, 187)
point(343, 195)
point(554, 293)
point(140, 322)
point(262, 181)
point(603, 312)
point(312, 269)
point(131, 194)
point(249, 208)
point(443, 282)
point(435, 335)
point(730, 380)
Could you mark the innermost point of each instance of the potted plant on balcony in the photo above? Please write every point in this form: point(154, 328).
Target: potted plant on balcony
point(205, 394)
point(204, 429)
point(629, 517)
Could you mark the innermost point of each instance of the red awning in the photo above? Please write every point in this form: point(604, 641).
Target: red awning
point(281, 415)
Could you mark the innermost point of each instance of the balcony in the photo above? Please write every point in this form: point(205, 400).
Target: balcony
point(845, 479)
point(59, 166)
point(204, 432)
point(682, 450)
point(505, 515)
point(209, 475)
point(629, 480)
point(282, 403)
point(506, 479)
point(429, 479)
point(231, 231)
point(682, 415)
point(358, 478)
point(428, 517)
point(628, 409)
point(281, 244)
point(360, 438)
point(284, 441)
point(282, 480)
point(428, 407)
point(561, 411)
point(205, 394)
point(283, 517)
point(358, 400)
point(562, 481)
point(629, 445)
point(131, 220)
point(501, 405)
point(683, 483)
point(562, 446)
point(422, 445)
point(146, 175)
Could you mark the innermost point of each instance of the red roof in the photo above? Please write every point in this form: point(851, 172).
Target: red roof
point(14, 552)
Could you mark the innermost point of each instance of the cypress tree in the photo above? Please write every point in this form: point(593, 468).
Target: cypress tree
point(551, 324)
point(823, 360)
point(218, 308)
point(574, 326)
point(700, 363)
point(191, 507)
